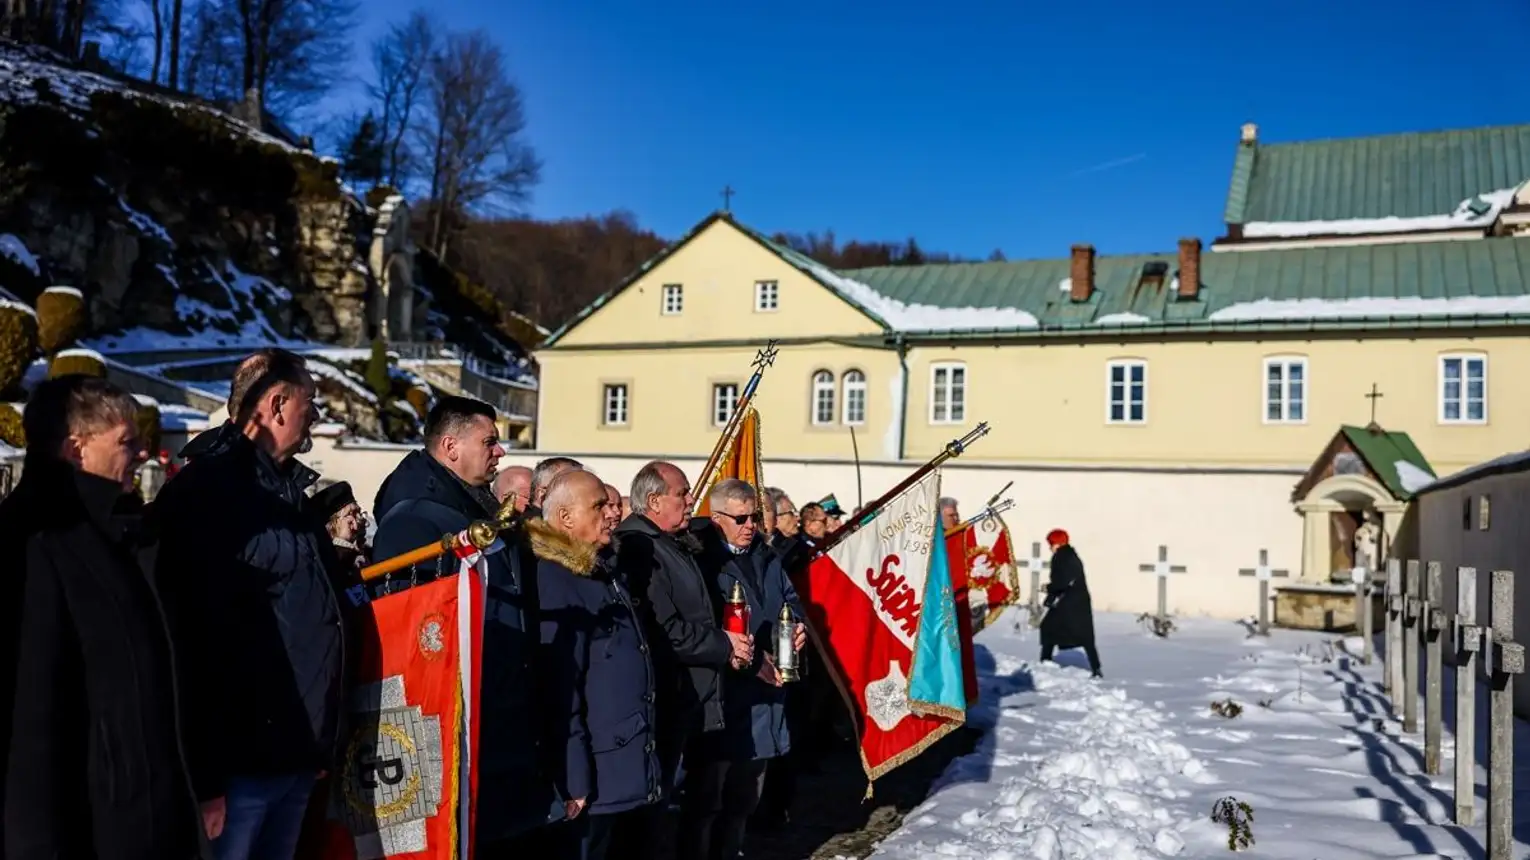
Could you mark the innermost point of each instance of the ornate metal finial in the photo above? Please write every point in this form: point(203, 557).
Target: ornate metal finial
point(481, 534)
point(765, 357)
point(957, 446)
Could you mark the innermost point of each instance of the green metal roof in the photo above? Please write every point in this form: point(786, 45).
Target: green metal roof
point(1401, 175)
point(1382, 450)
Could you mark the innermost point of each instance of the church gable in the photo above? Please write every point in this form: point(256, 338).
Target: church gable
point(1388, 458)
point(720, 281)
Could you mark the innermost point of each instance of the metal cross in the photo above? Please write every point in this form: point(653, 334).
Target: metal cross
point(765, 357)
point(1373, 397)
point(1162, 566)
point(1035, 564)
point(727, 195)
point(1263, 572)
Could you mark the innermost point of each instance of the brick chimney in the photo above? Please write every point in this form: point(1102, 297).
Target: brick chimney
point(1081, 273)
point(1189, 269)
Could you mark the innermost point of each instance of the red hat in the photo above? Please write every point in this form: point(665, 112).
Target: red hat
point(1057, 537)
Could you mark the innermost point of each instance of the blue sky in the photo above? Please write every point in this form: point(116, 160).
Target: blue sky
point(1025, 126)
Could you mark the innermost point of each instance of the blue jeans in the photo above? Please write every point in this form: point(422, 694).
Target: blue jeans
point(265, 817)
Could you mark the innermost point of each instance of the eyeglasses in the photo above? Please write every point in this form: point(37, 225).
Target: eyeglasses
point(787, 513)
point(739, 519)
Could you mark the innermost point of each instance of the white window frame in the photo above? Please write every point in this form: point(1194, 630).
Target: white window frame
point(822, 388)
point(1466, 359)
point(615, 397)
point(672, 291)
point(722, 411)
point(1126, 365)
point(1285, 363)
point(852, 383)
point(956, 413)
point(761, 293)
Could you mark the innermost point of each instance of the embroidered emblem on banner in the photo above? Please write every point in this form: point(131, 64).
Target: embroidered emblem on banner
point(391, 781)
point(887, 698)
point(432, 636)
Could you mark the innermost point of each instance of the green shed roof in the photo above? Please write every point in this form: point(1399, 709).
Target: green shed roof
point(1395, 175)
point(1393, 457)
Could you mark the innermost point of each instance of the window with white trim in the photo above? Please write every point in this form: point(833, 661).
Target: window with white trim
point(1285, 390)
point(613, 408)
point(674, 299)
point(948, 393)
point(823, 398)
point(855, 398)
point(724, 401)
point(1463, 389)
point(1126, 392)
point(767, 296)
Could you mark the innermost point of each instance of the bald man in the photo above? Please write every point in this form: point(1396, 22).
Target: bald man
point(513, 479)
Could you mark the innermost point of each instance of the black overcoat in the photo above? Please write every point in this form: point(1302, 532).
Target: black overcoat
point(1069, 622)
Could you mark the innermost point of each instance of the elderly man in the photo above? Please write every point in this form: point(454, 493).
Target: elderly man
point(950, 518)
point(440, 490)
point(727, 771)
point(613, 505)
point(95, 768)
point(240, 548)
point(605, 689)
point(784, 512)
point(542, 477)
point(656, 557)
point(513, 482)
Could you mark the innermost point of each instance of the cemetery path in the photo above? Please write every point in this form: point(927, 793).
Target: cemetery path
point(1132, 767)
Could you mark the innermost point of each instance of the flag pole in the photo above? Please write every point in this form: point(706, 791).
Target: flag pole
point(953, 449)
point(762, 359)
point(480, 535)
point(855, 449)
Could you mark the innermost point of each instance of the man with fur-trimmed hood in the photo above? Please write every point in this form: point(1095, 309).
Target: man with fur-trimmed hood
point(600, 693)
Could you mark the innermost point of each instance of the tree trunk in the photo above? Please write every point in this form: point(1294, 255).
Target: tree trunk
point(159, 40)
point(175, 44)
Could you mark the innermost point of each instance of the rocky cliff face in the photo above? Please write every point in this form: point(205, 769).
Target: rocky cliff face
point(175, 220)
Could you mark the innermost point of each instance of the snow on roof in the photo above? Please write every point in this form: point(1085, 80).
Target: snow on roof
point(176, 417)
point(904, 317)
point(145, 400)
point(1477, 211)
point(20, 306)
point(1065, 285)
point(1125, 318)
point(66, 291)
point(80, 352)
point(25, 71)
point(333, 373)
point(1287, 309)
point(1412, 477)
point(16, 250)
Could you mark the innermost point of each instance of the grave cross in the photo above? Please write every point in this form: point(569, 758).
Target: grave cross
point(727, 196)
point(1373, 397)
point(1035, 564)
point(1161, 568)
point(1263, 573)
point(1507, 660)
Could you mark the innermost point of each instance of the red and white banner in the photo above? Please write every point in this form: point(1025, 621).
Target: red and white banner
point(405, 785)
point(990, 567)
point(864, 600)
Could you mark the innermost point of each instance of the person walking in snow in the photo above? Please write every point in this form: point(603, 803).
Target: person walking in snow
point(1069, 619)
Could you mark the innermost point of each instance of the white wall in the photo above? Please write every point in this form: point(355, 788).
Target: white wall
point(1213, 523)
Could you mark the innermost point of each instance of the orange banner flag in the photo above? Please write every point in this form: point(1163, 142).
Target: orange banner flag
point(741, 460)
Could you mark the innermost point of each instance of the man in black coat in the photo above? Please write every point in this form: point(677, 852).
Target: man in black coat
point(245, 572)
point(438, 491)
point(603, 693)
point(95, 768)
point(656, 557)
point(1069, 620)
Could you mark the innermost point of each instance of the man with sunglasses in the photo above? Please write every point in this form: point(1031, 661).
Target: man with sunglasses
point(726, 771)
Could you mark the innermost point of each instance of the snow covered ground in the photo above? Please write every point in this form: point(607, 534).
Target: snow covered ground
point(1131, 767)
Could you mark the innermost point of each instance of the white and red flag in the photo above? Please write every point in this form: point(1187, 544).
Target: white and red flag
point(880, 606)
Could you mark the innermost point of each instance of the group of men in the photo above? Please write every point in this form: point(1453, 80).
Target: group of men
point(178, 669)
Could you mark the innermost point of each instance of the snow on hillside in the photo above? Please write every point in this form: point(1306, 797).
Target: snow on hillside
point(1130, 767)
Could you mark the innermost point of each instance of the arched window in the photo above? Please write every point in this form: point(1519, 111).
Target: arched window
point(855, 397)
point(823, 397)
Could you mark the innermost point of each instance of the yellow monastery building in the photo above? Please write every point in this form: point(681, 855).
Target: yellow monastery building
point(1215, 399)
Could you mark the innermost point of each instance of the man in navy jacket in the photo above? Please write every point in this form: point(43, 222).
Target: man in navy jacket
point(438, 491)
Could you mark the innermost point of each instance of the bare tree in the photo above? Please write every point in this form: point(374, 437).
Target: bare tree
point(174, 79)
point(473, 131)
point(212, 62)
point(400, 60)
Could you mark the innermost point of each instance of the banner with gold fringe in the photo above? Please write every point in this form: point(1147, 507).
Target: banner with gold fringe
point(741, 459)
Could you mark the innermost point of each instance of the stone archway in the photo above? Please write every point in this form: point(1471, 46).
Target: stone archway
point(1353, 493)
